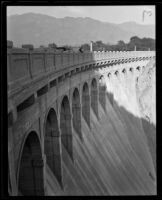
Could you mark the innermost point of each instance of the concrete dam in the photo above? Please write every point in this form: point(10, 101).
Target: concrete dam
point(81, 123)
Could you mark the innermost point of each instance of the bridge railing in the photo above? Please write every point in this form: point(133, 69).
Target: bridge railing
point(25, 65)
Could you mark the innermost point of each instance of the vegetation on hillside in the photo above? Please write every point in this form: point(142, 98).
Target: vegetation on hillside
point(135, 43)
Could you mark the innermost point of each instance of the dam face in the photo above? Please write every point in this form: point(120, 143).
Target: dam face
point(77, 123)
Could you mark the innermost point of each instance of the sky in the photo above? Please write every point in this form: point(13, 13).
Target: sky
point(113, 14)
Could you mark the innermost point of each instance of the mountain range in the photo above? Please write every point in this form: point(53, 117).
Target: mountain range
point(39, 29)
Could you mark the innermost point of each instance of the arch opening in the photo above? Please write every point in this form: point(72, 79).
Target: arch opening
point(76, 110)
point(102, 92)
point(65, 125)
point(52, 145)
point(86, 103)
point(124, 71)
point(131, 69)
point(30, 181)
point(94, 96)
point(109, 75)
point(116, 73)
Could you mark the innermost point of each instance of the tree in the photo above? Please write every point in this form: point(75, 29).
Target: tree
point(143, 44)
point(52, 45)
point(121, 43)
point(85, 47)
point(99, 46)
point(134, 39)
point(121, 46)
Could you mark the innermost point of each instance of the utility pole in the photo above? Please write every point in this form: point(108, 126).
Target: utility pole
point(91, 46)
point(135, 48)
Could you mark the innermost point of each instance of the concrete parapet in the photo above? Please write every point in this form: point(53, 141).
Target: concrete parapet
point(28, 46)
point(25, 64)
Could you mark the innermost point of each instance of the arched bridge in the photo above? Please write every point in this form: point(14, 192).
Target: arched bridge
point(49, 95)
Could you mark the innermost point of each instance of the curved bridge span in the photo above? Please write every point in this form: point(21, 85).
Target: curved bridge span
point(51, 101)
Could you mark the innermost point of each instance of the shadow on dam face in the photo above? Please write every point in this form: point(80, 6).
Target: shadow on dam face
point(86, 103)
point(94, 96)
point(118, 154)
point(30, 180)
point(116, 157)
point(52, 145)
point(65, 125)
point(102, 92)
point(76, 110)
point(148, 128)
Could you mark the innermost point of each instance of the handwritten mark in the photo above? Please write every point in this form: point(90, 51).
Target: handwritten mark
point(148, 12)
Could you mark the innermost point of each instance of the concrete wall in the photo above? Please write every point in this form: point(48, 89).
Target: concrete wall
point(25, 66)
point(30, 72)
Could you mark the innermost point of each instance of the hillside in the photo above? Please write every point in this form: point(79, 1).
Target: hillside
point(41, 29)
point(140, 30)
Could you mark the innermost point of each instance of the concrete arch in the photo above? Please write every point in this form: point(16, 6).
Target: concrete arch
point(124, 71)
point(109, 75)
point(52, 147)
point(94, 96)
point(30, 178)
point(131, 69)
point(65, 126)
point(60, 99)
point(102, 92)
point(116, 73)
point(21, 151)
point(86, 103)
point(76, 110)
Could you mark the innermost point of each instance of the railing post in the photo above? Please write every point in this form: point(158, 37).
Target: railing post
point(30, 64)
point(45, 61)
